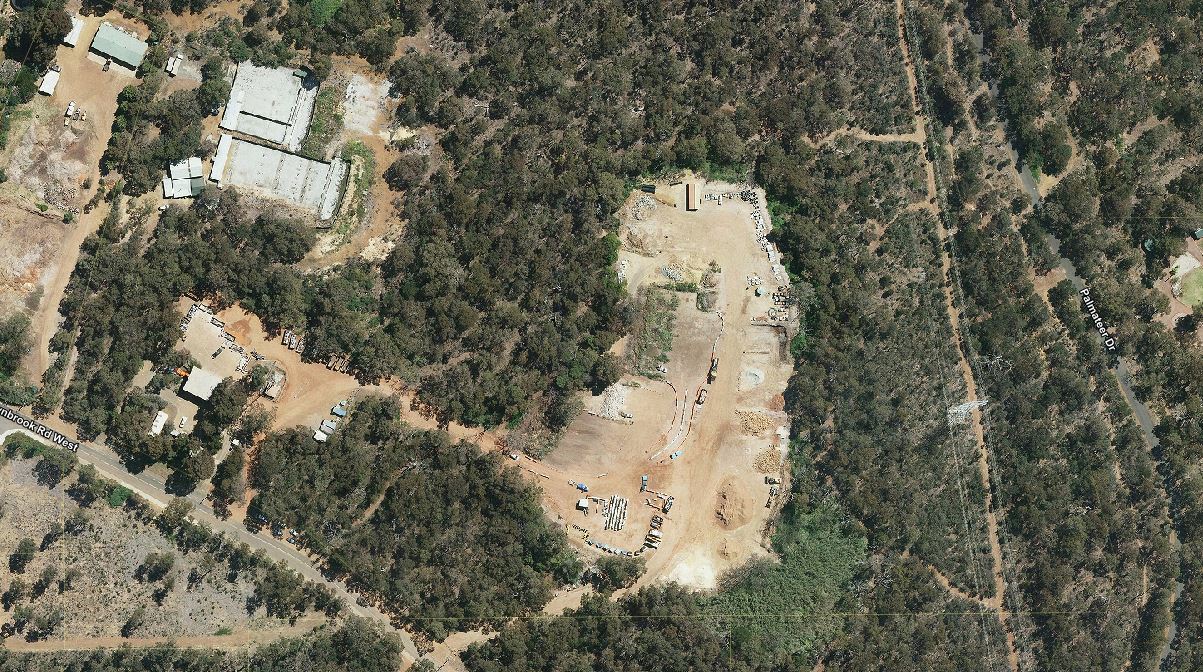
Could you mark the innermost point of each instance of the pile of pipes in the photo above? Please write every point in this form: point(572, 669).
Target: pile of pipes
point(196, 307)
point(62, 197)
point(616, 513)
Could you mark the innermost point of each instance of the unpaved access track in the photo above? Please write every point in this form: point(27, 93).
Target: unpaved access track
point(916, 78)
point(236, 640)
point(85, 83)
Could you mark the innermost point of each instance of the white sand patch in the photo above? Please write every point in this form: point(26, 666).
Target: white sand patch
point(377, 249)
point(364, 104)
point(1184, 265)
point(694, 571)
point(750, 378)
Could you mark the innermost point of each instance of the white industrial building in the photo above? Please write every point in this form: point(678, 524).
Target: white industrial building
point(313, 185)
point(274, 104)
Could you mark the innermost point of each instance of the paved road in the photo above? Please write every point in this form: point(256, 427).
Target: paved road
point(1140, 411)
point(154, 490)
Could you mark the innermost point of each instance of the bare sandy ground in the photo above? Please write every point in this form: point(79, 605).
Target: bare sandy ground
point(84, 82)
point(719, 516)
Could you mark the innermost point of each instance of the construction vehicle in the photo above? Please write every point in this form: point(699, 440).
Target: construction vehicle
point(713, 373)
point(668, 504)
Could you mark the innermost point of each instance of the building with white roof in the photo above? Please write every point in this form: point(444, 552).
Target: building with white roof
point(313, 185)
point(160, 421)
point(220, 157)
point(201, 383)
point(274, 104)
point(184, 179)
point(49, 82)
point(77, 29)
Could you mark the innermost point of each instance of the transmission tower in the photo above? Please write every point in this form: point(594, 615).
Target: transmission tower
point(960, 413)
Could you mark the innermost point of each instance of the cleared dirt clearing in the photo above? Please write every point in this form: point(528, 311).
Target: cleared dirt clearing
point(701, 455)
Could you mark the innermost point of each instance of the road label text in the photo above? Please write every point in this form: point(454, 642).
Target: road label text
point(1108, 339)
point(39, 429)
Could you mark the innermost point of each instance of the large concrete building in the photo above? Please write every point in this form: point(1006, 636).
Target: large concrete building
point(274, 104)
point(312, 185)
point(118, 45)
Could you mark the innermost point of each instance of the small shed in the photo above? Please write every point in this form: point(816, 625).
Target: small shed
point(1197, 234)
point(320, 436)
point(160, 421)
point(49, 82)
point(339, 411)
point(691, 196)
point(583, 504)
point(184, 179)
point(77, 29)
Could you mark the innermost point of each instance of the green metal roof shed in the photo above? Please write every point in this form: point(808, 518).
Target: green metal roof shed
point(119, 45)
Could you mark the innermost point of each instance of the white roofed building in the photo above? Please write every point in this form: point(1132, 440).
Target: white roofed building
point(201, 383)
point(160, 421)
point(273, 104)
point(184, 179)
point(77, 29)
point(49, 82)
point(313, 185)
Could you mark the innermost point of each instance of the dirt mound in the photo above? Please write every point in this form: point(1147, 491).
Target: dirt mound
point(613, 401)
point(730, 509)
point(768, 461)
point(639, 241)
point(777, 403)
point(752, 422)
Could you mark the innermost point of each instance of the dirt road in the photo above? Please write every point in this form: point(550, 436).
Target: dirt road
point(235, 640)
point(84, 82)
point(917, 81)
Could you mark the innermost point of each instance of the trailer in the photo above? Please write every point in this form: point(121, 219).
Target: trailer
point(668, 504)
point(643, 484)
point(713, 373)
